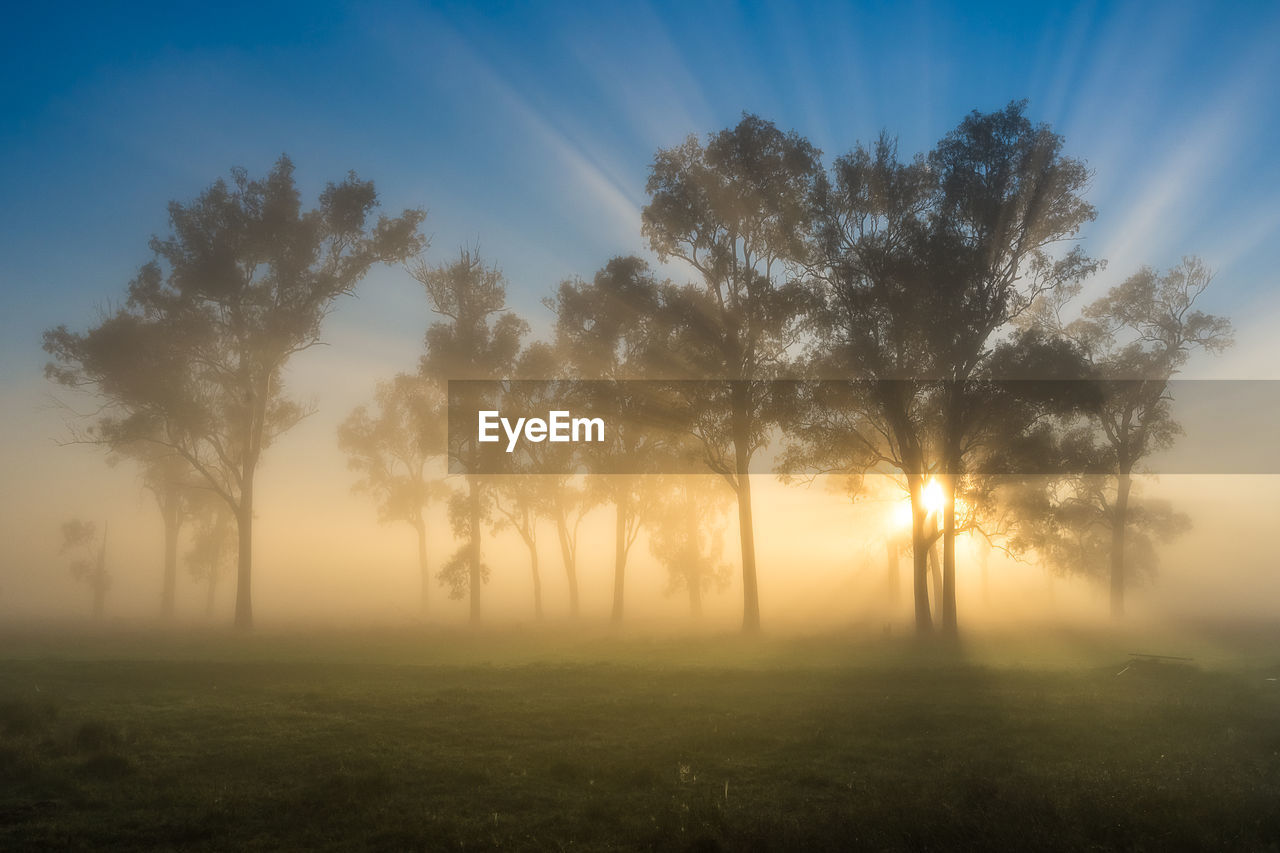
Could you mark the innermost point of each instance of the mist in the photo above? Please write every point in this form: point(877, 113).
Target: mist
point(930, 365)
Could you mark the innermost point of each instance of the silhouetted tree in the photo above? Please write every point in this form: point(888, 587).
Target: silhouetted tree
point(1137, 337)
point(195, 359)
point(89, 550)
point(923, 263)
point(391, 449)
point(609, 329)
point(870, 262)
point(1068, 522)
point(525, 495)
point(1007, 197)
point(735, 209)
point(478, 339)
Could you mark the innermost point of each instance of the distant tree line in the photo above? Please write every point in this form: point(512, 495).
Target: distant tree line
point(915, 288)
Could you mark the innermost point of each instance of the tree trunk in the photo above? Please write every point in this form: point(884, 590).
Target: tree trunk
point(953, 459)
point(169, 511)
point(215, 563)
point(935, 578)
point(949, 626)
point(746, 528)
point(473, 512)
point(570, 561)
point(532, 544)
point(244, 511)
point(424, 571)
point(620, 552)
point(244, 561)
point(1117, 544)
point(920, 562)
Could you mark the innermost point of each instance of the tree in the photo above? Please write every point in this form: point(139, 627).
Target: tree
point(89, 566)
point(1068, 522)
point(735, 209)
point(869, 264)
point(195, 359)
point(1007, 196)
point(212, 549)
point(169, 479)
point(477, 339)
point(174, 485)
point(1137, 337)
point(687, 527)
point(609, 330)
point(391, 448)
point(571, 501)
point(516, 500)
point(922, 264)
point(525, 495)
point(166, 475)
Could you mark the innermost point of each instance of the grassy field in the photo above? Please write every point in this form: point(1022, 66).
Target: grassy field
point(438, 741)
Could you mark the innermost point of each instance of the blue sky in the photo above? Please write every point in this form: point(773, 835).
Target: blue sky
point(528, 128)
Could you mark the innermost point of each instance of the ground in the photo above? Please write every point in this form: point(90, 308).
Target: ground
point(432, 740)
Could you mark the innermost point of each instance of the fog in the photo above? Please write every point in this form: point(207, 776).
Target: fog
point(323, 560)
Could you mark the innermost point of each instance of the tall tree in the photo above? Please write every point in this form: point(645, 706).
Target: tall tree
point(526, 495)
point(1137, 337)
point(735, 209)
point(923, 264)
point(1007, 197)
point(478, 338)
point(391, 449)
point(195, 359)
point(608, 331)
point(869, 263)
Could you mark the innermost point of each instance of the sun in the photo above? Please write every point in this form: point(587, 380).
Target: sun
point(933, 498)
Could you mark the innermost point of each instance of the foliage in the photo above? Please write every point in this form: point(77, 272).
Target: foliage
point(391, 447)
point(195, 358)
point(477, 338)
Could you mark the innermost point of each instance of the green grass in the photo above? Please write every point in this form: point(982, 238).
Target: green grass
point(440, 741)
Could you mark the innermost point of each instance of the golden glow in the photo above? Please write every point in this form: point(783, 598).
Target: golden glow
point(933, 497)
point(902, 514)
